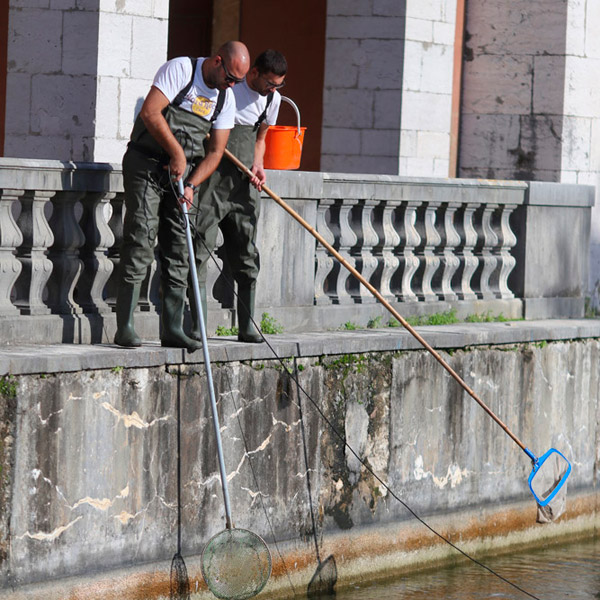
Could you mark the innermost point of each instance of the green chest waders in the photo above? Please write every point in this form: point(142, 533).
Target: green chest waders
point(152, 214)
point(230, 203)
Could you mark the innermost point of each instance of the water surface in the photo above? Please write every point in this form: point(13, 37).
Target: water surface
point(557, 572)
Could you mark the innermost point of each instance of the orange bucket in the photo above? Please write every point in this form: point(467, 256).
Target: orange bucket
point(284, 144)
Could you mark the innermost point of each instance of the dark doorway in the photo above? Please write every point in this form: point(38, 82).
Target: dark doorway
point(190, 27)
point(297, 29)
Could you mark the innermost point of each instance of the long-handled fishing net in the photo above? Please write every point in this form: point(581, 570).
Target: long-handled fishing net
point(236, 563)
point(550, 471)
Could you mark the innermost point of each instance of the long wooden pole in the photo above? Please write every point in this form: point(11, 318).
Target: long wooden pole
point(381, 299)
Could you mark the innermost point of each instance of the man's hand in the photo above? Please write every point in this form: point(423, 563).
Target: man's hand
point(259, 177)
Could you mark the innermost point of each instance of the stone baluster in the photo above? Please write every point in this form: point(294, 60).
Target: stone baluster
point(402, 282)
point(324, 262)
point(113, 253)
point(429, 261)
point(33, 253)
point(388, 239)
point(507, 261)
point(216, 266)
point(450, 239)
point(366, 263)
point(10, 239)
point(489, 259)
point(64, 253)
point(97, 266)
point(347, 240)
point(468, 262)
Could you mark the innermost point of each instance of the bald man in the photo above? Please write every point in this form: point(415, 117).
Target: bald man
point(188, 99)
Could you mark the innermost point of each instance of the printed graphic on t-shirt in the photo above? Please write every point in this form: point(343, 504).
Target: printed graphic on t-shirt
point(202, 106)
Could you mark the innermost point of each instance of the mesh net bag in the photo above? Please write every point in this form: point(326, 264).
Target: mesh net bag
point(549, 486)
point(236, 564)
point(323, 581)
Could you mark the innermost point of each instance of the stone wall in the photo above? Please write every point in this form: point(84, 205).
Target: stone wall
point(97, 477)
point(78, 71)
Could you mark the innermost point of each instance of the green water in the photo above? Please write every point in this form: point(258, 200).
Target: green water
point(557, 572)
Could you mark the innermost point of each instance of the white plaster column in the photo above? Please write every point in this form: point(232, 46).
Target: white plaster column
point(427, 88)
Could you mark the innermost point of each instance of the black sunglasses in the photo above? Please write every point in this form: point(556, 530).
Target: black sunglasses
point(229, 78)
point(270, 84)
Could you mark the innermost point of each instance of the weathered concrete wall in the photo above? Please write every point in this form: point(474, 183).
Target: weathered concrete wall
point(94, 482)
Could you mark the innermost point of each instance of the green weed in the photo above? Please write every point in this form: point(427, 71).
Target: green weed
point(223, 331)
point(269, 324)
point(374, 323)
point(8, 386)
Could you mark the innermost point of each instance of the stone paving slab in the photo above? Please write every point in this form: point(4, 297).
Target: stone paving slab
point(55, 358)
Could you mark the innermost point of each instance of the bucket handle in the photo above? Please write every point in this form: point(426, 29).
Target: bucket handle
point(289, 101)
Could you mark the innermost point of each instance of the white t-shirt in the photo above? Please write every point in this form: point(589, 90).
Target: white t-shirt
point(201, 100)
point(250, 105)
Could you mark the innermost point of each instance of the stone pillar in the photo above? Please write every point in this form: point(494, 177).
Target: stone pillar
point(75, 79)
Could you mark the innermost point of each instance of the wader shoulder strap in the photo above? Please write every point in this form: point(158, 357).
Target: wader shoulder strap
point(263, 116)
point(179, 98)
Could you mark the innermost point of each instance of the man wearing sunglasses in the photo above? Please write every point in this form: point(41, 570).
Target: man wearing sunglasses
point(188, 98)
point(227, 200)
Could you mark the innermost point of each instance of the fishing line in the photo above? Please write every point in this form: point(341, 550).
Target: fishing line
point(362, 462)
point(262, 502)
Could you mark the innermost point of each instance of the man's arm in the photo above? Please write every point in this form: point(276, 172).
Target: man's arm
point(158, 127)
point(258, 169)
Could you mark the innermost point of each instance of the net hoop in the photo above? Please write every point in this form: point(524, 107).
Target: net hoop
point(558, 480)
point(236, 564)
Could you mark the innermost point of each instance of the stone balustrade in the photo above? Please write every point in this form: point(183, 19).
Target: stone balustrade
point(427, 245)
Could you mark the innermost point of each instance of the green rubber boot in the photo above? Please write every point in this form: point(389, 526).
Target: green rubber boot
point(127, 299)
point(195, 332)
point(171, 319)
point(245, 313)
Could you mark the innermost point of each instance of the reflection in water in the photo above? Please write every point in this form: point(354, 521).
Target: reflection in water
point(563, 572)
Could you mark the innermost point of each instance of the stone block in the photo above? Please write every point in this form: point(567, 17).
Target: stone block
point(426, 112)
point(114, 51)
point(20, 4)
point(437, 68)
point(444, 33)
point(355, 164)
point(80, 43)
point(18, 103)
point(575, 29)
point(383, 67)
point(432, 10)
point(349, 8)
point(548, 83)
point(110, 150)
point(150, 49)
point(592, 22)
point(389, 8)
point(368, 28)
point(133, 92)
point(432, 144)
point(595, 144)
point(56, 147)
point(63, 4)
point(63, 105)
point(140, 8)
point(582, 88)
point(107, 107)
point(340, 140)
point(418, 30)
point(519, 27)
point(348, 108)
point(160, 9)
point(577, 144)
point(487, 140)
point(34, 44)
point(408, 143)
point(380, 143)
point(416, 167)
point(497, 85)
point(387, 109)
point(342, 60)
point(83, 148)
point(441, 167)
